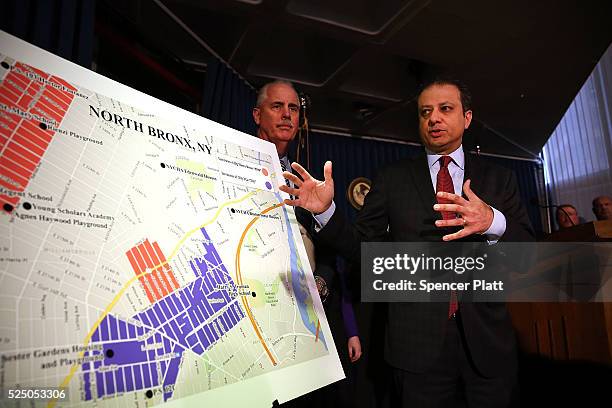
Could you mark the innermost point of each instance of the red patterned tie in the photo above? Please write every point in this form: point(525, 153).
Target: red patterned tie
point(444, 183)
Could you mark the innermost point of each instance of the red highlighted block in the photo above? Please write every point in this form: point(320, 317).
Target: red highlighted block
point(153, 271)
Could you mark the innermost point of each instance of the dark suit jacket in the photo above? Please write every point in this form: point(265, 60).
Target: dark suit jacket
point(402, 198)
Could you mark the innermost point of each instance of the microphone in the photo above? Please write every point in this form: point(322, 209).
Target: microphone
point(536, 202)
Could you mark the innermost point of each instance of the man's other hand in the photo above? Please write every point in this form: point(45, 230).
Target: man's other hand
point(309, 193)
point(354, 348)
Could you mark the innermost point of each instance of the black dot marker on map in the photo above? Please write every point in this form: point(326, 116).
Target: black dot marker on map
point(5, 65)
point(110, 353)
point(232, 210)
point(7, 207)
point(27, 206)
point(43, 126)
point(149, 394)
point(253, 294)
point(163, 166)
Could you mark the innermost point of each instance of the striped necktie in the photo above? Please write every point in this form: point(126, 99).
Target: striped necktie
point(284, 168)
point(283, 163)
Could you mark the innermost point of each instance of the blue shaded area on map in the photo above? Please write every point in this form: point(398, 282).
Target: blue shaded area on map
point(298, 280)
point(145, 352)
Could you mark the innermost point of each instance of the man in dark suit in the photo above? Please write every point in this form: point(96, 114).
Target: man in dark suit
point(442, 354)
point(276, 114)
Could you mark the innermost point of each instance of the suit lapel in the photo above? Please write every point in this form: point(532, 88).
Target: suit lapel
point(419, 170)
point(471, 171)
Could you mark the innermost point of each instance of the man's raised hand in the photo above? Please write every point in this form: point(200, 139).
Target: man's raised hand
point(309, 193)
point(475, 216)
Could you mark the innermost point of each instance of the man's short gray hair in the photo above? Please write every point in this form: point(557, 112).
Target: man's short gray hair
point(263, 91)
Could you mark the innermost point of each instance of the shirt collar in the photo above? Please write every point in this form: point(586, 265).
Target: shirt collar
point(457, 156)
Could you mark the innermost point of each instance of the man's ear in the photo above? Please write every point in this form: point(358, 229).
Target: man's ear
point(256, 114)
point(468, 119)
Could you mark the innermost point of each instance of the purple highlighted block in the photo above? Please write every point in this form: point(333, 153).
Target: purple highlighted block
point(231, 314)
point(192, 340)
point(173, 306)
point(212, 335)
point(174, 317)
point(226, 325)
point(100, 384)
point(114, 332)
point(129, 381)
point(221, 278)
point(145, 319)
point(195, 269)
point(104, 329)
point(123, 333)
point(205, 307)
point(109, 383)
point(87, 386)
point(137, 376)
point(184, 301)
point(203, 339)
point(172, 371)
point(146, 375)
point(119, 380)
point(174, 331)
point(152, 318)
point(161, 314)
point(209, 285)
point(154, 373)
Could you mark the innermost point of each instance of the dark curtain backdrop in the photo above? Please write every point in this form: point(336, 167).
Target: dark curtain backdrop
point(227, 98)
point(354, 157)
point(63, 27)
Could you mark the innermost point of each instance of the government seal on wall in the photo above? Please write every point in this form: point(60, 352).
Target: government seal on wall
point(357, 191)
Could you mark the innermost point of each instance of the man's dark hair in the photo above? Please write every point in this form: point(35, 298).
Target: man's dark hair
point(560, 209)
point(464, 92)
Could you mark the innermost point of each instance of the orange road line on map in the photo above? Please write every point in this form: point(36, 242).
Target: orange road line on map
point(318, 327)
point(245, 302)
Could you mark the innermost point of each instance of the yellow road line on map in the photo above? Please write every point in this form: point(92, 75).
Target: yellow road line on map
point(244, 299)
point(176, 248)
point(112, 304)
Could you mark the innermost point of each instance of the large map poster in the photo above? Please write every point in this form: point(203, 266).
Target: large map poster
point(145, 253)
